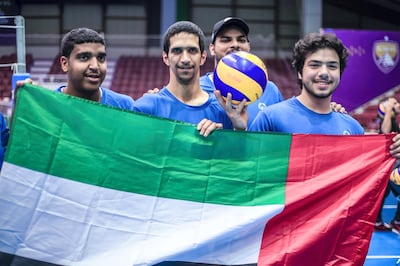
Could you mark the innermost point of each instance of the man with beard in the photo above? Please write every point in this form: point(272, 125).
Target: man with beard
point(230, 35)
point(182, 98)
point(319, 60)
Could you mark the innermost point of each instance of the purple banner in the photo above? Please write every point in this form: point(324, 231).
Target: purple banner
point(373, 67)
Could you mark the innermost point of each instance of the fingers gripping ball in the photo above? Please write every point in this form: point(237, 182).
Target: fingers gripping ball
point(242, 74)
point(395, 176)
point(381, 110)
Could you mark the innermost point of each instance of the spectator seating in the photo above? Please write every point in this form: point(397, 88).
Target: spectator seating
point(7, 72)
point(283, 75)
point(55, 66)
point(368, 118)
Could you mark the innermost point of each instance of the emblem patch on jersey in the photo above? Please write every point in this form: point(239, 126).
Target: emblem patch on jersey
point(385, 54)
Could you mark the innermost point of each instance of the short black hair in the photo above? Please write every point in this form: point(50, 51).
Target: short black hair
point(183, 26)
point(79, 36)
point(316, 41)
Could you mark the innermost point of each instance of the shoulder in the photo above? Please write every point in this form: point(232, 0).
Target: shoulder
point(288, 103)
point(347, 117)
point(272, 91)
point(150, 101)
point(271, 85)
point(206, 83)
point(346, 121)
point(116, 99)
point(280, 111)
point(117, 95)
point(162, 94)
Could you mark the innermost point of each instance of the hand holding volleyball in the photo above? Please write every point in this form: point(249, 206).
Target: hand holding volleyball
point(382, 109)
point(395, 176)
point(242, 74)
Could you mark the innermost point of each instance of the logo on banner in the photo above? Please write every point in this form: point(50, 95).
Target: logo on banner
point(386, 54)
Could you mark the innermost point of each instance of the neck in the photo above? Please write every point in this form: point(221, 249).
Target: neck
point(318, 105)
point(94, 95)
point(190, 94)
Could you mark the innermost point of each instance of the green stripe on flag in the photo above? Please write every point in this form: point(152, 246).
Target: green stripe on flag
point(104, 146)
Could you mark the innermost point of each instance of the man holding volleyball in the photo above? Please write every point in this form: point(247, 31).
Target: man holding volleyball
point(230, 35)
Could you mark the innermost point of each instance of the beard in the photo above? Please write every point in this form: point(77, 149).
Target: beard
point(320, 95)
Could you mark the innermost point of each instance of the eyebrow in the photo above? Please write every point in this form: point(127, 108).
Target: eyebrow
point(228, 36)
point(323, 62)
point(90, 53)
point(184, 47)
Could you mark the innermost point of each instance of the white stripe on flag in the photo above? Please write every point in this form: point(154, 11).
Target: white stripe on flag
point(66, 222)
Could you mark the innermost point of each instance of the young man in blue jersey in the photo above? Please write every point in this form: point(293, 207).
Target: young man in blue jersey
point(182, 98)
point(83, 59)
point(319, 60)
point(230, 35)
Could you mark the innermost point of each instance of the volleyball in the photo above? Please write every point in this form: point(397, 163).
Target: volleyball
point(395, 176)
point(242, 74)
point(381, 110)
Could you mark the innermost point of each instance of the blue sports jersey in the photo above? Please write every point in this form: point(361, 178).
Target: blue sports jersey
point(112, 98)
point(271, 95)
point(166, 105)
point(4, 135)
point(291, 116)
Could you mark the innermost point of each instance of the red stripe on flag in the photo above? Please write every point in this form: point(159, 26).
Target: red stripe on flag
point(333, 194)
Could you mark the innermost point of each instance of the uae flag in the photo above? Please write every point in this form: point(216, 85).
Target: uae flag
point(87, 184)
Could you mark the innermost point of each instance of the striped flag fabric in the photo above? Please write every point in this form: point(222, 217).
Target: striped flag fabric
point(88, 184)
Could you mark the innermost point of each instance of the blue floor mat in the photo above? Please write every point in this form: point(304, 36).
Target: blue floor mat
point(384, 249)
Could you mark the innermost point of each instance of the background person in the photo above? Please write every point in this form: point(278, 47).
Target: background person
point(389, 124)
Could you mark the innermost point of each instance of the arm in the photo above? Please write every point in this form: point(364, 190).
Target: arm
point(5, 132)
point(386, 126)
point(238, 114)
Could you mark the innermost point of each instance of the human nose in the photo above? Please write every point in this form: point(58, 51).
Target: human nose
point(94, 63)
point(185, 56)
point(323, 72)
point(235, 44)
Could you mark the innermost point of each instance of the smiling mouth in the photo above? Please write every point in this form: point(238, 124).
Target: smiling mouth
point(322, 82)
point(185, 67)
point(92, 76)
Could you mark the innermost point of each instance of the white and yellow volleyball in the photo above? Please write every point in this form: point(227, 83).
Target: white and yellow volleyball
point(242, 74)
